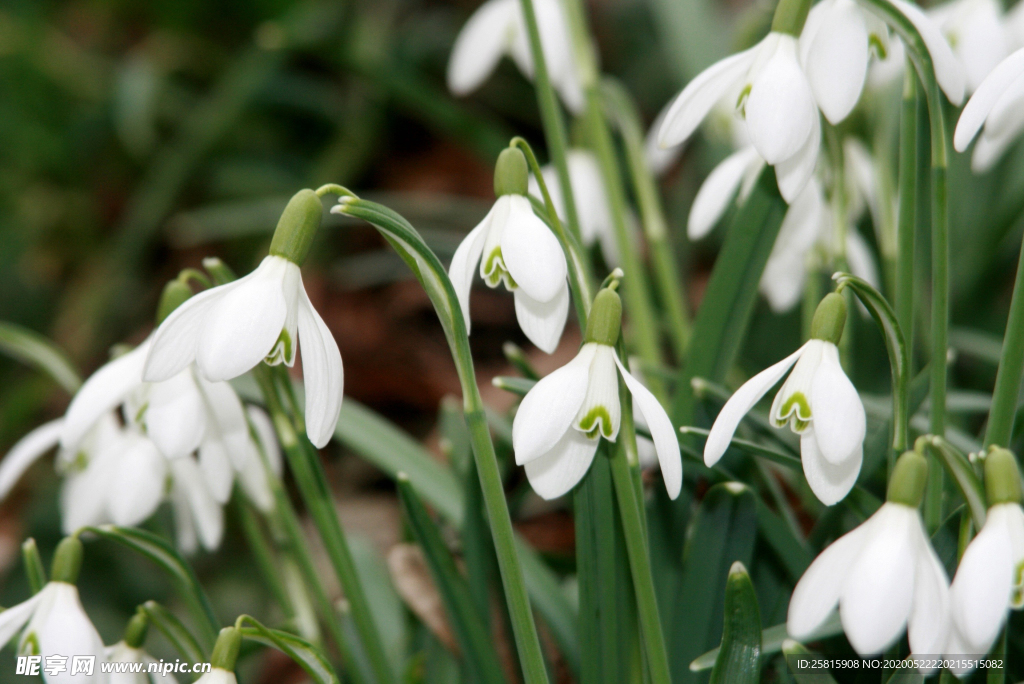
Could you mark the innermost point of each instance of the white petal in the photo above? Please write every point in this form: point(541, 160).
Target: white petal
point(27, 451)
point(983, 41)
point(267, 437)
point(217, 676)
point(227, 419)
point(784, 273)
point(464, 263)
point(480, 44)
point(601, 409)
point(105, 389)
point(830, 482)
point(817, 593)
point(988, 151)
point(782, 282)
point(985, 97)
point(67, 630)
point(929, 619)
point(174, 344)
point(137, 487)
point(84, 495)
point(794, 173)
point(837, 60)
point(816, 17)
point(660, 159)
point(877, 594)
point(175, 418)
point(216, 468)
point(15, 617)
point(252, 476)
point(701, 95)
point(549, 408)
point(717, 190)
point(739, 403)
point(590, 195)
point(665, 441)
point(243, 325)
point(980, 594)
point(839, 420)
point(322, 374)
point(206, 512)
point(531, 252)
point(185, 528)
point(860, 259)
point(948, 70)
point(780, 110)
point(1006, 119)
point(557, 471)
point(543, 322)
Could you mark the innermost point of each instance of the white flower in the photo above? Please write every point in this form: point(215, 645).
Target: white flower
point(820, 404)
point(218, 676)
point(997, 104)
point(56, 625)
point(514, 247)
point(560, 421)
point(882, 575)
point(264, 316)
point(591, 199)
point(498, 28)
point(123, 653)
point(977, 33)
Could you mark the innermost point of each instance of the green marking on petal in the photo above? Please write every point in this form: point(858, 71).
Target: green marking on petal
point(797, 408)
point(30, 645)
point(741, 101)
point(494, 271)
point(875, 43)
point(141, 413)
point(282, 350)
point(1017, 597)
point(597, 420)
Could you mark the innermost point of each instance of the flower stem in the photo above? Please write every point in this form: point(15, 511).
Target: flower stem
point(652, 215)
point(312, 483)
point(551, 116)
point(907, 221)
point(1011, 368)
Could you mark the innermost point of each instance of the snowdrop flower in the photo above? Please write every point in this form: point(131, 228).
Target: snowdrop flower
point(998, 105)
point(883, 575)
point(54, 621)
point(588, 191)
point(977, 33)
point(264, 316)
point(129, 650)
point(819, 403)
point(561, 420)
point(990, 578)
point(225, 654)
point(498, 28)
point(515, 248)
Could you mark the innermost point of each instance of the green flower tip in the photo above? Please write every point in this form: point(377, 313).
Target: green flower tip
point(174, 295)
point(135, 632)
point(737, 569)
point(225, 651)
point(67, 560)
point(909, 477)
point(1002, 477)
point(297, 227)
point(829, 319)
point(511, 174)
point(605, 318)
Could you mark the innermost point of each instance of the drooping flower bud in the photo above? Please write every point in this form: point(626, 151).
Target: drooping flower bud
point(67, 560)
point(829, 319)
point(297, 226)
point(1002, 477)
point(909, 477)
point(511, 174)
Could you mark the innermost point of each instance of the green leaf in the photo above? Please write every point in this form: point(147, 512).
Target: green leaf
point(298, 649)
point(731, 292)
point(517, 386)
point(33, 349)
point(754, 449)
point(470, 630)
point(773, 640)
point(33, 565)
point(722, 533)
point(961, 470)
point(794, 649)
point(176, 632)
point(739, 656)
point(167, 557)
point(977, 343)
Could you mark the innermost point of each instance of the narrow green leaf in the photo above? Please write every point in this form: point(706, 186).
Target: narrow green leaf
point(793, 650)
point(977, 343)
point(168, 558)
point(752, 448)
point(517, 386)
point(470, 630)
point(960, 469)
point(732, 291)
point(723, 532)
point(772, 641)
point(298, 649)
point(176, 632)
point(34, 568)
point(33, 349)
point(739, 656)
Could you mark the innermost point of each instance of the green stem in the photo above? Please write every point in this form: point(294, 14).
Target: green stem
point(551, 117)
point(907, 221)
point(262, 554)
point(640, 565)
point(309, 475)
point(1011, 368)
point(652, 214)
point(940, 329)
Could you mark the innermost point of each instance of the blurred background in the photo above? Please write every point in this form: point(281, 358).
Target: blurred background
point(137, 138)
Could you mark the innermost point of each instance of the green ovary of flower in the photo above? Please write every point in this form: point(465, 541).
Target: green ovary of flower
point(494, 271)
point(596, 422)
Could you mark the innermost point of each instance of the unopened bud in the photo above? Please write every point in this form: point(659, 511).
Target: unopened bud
point(511, 174)
point(829, 319)
point(909, 477)
point(297, 227)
